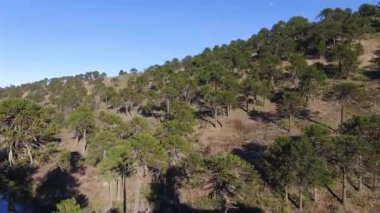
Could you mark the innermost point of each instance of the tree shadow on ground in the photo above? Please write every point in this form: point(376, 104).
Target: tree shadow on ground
point(308, 116)
point(333, 193)
point(263, 116)
point(331, 70)
point(372, 74)
point(76, 163)
point(164, 191)
point(247, 209)
point(254, 153)
point(56, 186)
point(203, 115)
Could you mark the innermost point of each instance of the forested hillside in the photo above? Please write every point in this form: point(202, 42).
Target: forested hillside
point(287, 120)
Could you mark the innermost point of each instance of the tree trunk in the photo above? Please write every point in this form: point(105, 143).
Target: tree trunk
point(315, 194)
point(119, 188)
point(110, 193)
point(31, 162)
point(360, 178)
point(289, 121)
point(168, 106)
point(84, 139)
point(344, 187)
point(224, 207)
point(124, 193)
point(137, 191)
point(272, 80)
point(215, 117)
point(286, 194)
point(342, 115)
point(228, 109)
point(374, 182)
point(247, 104)
point(10, 155)
point(300, 201)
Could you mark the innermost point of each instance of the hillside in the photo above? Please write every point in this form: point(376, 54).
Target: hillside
point(285, 121)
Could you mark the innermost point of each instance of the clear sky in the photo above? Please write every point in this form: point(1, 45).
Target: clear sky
point(52, 38)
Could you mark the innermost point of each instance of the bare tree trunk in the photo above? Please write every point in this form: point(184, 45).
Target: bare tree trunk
point(247, 104)
point(30, 155)
point(360, 178)
point(84, 139)
point(224, 207)
point(300, 201)
point(168, 106)
point(124, 193)
point(119, 188)
point(344, 187)
point(216, 116)
point(286, 194)
point(315, 194)
point(374, 182)
point(110, 193)
point(342, 115)
point(137, 191)
point(10, 155)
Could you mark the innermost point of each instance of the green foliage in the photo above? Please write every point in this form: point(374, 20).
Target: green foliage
point(366, 128)
point(148, 151)
point(64, 161)
point(291, 104)
point(296, 162)
point(68, 206)
point(24, 125)
point(228, 176)
point(109, 119)
point(346, 151)
point(99, 143)
point(310, 80)
point(297, 65)
point(82, 119)
point(347, 58)
point(182, 119)
point(347, 93)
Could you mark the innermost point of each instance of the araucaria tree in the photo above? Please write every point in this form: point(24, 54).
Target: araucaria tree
point(294, 162)
point(228, 175)
point(347, 93)
point(24, 127)
point(83, 121)
point(292, 104)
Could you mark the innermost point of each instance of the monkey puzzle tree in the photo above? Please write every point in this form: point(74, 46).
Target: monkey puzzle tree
point(24, 126)
point(181, 119)
point(146, 152)
point(228, 175)
point(347, 93)
point(83, 121)
point(347, 58)
point(291, 104)
point(310, 80)
point(345, 154)
point(255, 88)
point(368, 129)
point(297, 65)
point(295, 162)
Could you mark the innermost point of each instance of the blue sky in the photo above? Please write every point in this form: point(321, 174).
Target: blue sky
point(51, 38)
